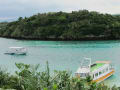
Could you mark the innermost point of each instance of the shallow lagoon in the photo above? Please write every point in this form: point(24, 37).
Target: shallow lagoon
point(62, 55)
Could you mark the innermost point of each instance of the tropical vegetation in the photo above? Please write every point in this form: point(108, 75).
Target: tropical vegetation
point(29, 77)
point(77, 25)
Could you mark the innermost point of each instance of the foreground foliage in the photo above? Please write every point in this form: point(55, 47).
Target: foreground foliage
point(77, 25)
point(30, 78)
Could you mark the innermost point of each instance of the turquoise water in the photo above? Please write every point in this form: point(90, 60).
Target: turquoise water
point(62, 55)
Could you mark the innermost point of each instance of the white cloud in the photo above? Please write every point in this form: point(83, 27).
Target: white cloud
point(15, 8)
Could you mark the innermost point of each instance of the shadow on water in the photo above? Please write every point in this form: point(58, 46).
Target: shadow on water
point(16, 56)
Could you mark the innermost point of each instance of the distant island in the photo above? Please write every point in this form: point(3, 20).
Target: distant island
point(77, 25)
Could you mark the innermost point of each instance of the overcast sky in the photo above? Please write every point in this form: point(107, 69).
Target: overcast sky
point(11, 9)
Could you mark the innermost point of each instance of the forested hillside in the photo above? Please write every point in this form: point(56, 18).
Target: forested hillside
point(77, 25)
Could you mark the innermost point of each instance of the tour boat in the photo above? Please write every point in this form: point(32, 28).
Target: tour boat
point(16, 51)
point(99, 71)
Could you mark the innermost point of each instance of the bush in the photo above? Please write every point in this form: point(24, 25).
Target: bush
point(30, 78)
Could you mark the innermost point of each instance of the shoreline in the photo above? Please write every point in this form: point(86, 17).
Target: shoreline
point(59, 39)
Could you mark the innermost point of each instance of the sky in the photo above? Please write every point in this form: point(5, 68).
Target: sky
point(12, 9)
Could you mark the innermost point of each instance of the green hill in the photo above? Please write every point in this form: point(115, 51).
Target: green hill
point(77, 25)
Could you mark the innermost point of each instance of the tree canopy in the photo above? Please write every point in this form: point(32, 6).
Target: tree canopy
point(77, 25)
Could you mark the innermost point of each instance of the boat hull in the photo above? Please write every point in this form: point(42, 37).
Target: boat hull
point(105, 76)
point(15, 53)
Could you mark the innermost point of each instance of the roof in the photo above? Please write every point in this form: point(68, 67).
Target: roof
point(105, 62)
point(97, 66)
point(83, 70)
point(16, 47)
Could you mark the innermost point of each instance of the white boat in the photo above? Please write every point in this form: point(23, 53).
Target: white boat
point(99, 71)
point(17, 51)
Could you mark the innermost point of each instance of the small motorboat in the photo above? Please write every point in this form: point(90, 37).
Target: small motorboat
point(16, 51)
point(99, 71)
